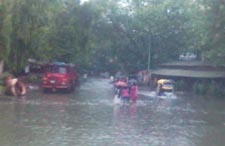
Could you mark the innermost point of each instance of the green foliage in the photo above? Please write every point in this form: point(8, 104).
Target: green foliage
point(110, 35)
point(215, 88)
point(164, 26)
point(2, 89)
point(180, 85)
point(23, 29)
point(33, 78)
point(214, 11)
point(200, 88)
point(3, 77)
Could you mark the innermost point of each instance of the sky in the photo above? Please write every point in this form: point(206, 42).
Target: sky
point(82, 1)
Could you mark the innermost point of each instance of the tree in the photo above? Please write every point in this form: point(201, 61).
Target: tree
point(71, 36)
point(110, 35)
point(167, 24)
point(215, 45)
point(1, 38)
point(25, 28)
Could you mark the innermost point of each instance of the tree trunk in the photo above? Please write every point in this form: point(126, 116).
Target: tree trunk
point(1, 67)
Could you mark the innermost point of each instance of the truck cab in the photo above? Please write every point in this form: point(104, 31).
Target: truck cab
point(59, 76)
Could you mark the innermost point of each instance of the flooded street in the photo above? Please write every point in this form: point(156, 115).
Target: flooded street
point(88, 117)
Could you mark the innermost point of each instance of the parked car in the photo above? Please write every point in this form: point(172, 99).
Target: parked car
point(59, 76)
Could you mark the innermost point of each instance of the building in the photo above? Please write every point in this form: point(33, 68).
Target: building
point(189, 72)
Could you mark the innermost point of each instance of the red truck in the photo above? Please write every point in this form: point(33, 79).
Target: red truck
point(59, 76)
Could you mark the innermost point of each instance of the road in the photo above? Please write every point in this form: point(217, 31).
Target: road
point(88, 117)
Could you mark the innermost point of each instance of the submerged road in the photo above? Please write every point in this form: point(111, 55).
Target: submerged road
point(88, 117)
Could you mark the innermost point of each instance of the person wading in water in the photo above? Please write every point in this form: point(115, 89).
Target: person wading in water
point(15, 87)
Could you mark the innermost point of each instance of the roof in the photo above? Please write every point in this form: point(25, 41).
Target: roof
point(185, 63)
point(189, 73)
point(191, 64)
point(161, 81)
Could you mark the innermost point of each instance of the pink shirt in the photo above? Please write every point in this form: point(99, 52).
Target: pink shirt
point(125, 92)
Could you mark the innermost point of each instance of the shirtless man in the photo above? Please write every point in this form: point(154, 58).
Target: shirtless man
point(15, 87)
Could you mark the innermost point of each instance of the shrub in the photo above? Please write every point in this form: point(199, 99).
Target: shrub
point(33, 78)
point(2, 89)
point(218, 90)
point(200, 88)
point(203, 88)
point(210, 88)
point(196, 88)
point(3, 77)
point(180, 85)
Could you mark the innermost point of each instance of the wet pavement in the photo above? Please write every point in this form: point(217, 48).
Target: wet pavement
point(88, 117)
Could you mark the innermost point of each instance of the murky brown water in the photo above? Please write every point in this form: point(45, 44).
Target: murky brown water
point(88, 117)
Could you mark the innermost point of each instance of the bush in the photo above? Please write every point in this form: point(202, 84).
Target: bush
point(200, 88)
point(2, 88)
point(180, 85)
point(210, 88)
point(216, 89)
point(3, 77)
point(203, 88)
point(195, 88)
point(33, 78)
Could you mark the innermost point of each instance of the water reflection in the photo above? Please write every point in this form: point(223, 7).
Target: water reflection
point(129, 110)
point(88, 117)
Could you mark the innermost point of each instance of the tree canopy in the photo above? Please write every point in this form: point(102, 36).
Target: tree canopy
point(111, 35)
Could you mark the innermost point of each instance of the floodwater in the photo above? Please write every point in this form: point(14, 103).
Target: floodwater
point(88, 117)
